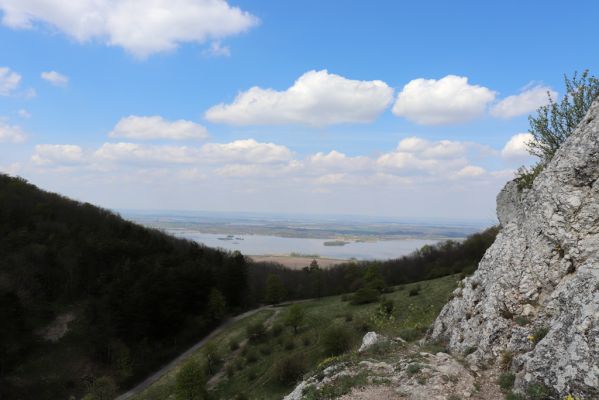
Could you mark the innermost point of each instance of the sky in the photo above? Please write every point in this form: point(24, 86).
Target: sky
point(382, 108)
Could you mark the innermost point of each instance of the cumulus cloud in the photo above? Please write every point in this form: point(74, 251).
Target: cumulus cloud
point(247, 151)
point(316, 98)
point(136, 153)
point(445, 101)
point(140, 27)
point(523, 103)
point(470, 171)
point(335, 160)
point(62, 154)
point(9, 81)
point(155, 127)
point(55, 78)
point(517, 147)
point(11, 133)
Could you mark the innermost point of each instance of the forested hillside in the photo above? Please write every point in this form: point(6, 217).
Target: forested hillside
point(136, 296)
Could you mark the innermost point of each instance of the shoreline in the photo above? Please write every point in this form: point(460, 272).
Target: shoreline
point(297, 261)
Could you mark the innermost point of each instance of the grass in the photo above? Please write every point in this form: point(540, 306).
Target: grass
point(258, 379)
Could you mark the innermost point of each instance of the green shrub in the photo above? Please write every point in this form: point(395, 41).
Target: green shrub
point(365, 296)
point(289, 345)
point(306, 341)
point(256, 332)
point(411, 334)
point(349, 317)
point(290, 369)
point(233, 345)
point(336, 340)
point(363, 325)
point(277, 329)
point(251, 356)
point(539, 391)
point(506, 381)
point(265, 350)
point(414, 368)
point(386, 307)
point(415, 291)
point(539, 333)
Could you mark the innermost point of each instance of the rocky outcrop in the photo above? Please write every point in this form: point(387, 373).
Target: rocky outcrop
point(533, 303)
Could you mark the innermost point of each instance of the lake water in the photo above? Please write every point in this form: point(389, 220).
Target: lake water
point(274, 245)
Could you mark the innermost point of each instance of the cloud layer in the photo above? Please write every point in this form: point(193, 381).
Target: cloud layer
point(140, 27)
point(11, 133)
point(523, 103)
point(448, 100)
point(155, 127)
point(316, 98)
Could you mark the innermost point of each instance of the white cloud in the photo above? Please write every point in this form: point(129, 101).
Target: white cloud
point(335, 160)
point(11, 133)
point(136, 153)
point(525, 102)
point(216, 49)
point(155, 127)
point(415, 154)
point(517, 147)
point(62, 154)
point(55, 78)
point(140, 27)
point(470, 171)
point(245, 151)
point(23, 113)
point(316, 98)
point(9, 81)
point(445, 101)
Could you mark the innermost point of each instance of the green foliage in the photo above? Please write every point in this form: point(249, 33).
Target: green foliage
point(539, 333)
point(556, 121)
point(102, 388)
point(526, 176)
point(139, 296)
point(275, 291)
point(414, 368)
point(295, 317)
point(415, 291)
point(213, 359)
point(217, 305)
point(336, 340)
point(190, 382)
point(539, 391)
point(256, 332)
point(506, 381)
point(290, 369)
point(365, 295)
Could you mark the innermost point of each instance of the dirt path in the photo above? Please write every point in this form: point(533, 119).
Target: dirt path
point(183, 356)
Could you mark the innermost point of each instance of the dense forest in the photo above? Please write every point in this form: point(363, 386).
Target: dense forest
point(133, 297)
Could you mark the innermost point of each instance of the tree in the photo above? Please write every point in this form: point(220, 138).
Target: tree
point(190, 382)
point(275, 291)
point(295, 317)
point(217, 306)
point(556, 121)
point(102, 388)
point(212, 358)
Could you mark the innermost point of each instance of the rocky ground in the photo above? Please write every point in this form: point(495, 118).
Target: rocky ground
point(393, 369)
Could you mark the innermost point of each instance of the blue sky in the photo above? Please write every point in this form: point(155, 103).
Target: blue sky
point(382, 108)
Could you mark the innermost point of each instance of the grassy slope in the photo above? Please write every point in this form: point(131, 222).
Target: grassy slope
point(257, 380)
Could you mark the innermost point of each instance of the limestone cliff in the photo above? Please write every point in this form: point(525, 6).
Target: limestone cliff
point(535, 295)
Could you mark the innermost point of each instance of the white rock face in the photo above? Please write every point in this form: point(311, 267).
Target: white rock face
point(536, 291)
point(369, 340)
